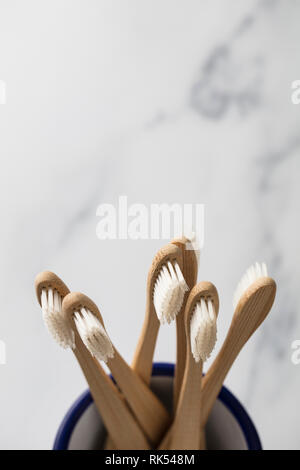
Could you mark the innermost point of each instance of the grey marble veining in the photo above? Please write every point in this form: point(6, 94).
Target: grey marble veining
point(163, 102)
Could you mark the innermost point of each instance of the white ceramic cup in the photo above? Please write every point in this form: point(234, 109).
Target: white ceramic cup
point(229, 426)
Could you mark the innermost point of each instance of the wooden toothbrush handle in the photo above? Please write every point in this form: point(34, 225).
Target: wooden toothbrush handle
point(249, 314)
point(186, 428)
point(190, 272)
point(180, 358)
point(146, 407)
point(143, 356)
point(214, 378)
point(117, 418)
point(203, 445)
point(166, 441)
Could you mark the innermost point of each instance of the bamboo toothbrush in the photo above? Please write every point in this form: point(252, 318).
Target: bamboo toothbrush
point(200, 317)
point(116, 415)
point(166, 289)
point(169, 297)
point(253, 300)
point(86, 319)
point(190, 272)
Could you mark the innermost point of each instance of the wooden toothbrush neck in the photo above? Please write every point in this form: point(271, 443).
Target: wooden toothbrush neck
point(214, 378)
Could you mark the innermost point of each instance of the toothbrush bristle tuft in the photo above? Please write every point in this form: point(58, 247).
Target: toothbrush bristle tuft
point(256, 271)
point(169, 291)
point(93, 335)
point(51, 302)
point(203, 329)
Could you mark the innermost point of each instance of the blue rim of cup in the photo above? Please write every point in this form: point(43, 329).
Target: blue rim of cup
point(72, 417)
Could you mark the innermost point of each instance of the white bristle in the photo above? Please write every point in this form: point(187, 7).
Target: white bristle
point(93, 335)
point(51, 302)
point(203, 330)
point(253, 273)
point(169, 290)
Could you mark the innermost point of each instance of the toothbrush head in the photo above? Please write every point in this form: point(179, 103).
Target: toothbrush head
point(253, 298)
point(169, 286)
point(50, 291)
point(87, 321)
point(255, 272)
point(201, 320)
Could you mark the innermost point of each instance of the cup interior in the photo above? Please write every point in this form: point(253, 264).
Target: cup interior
point(229, 427)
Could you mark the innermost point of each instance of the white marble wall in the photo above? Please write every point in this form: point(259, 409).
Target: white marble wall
point(163, 101)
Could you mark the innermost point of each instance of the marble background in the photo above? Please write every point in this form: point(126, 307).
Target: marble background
point(162, 101)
